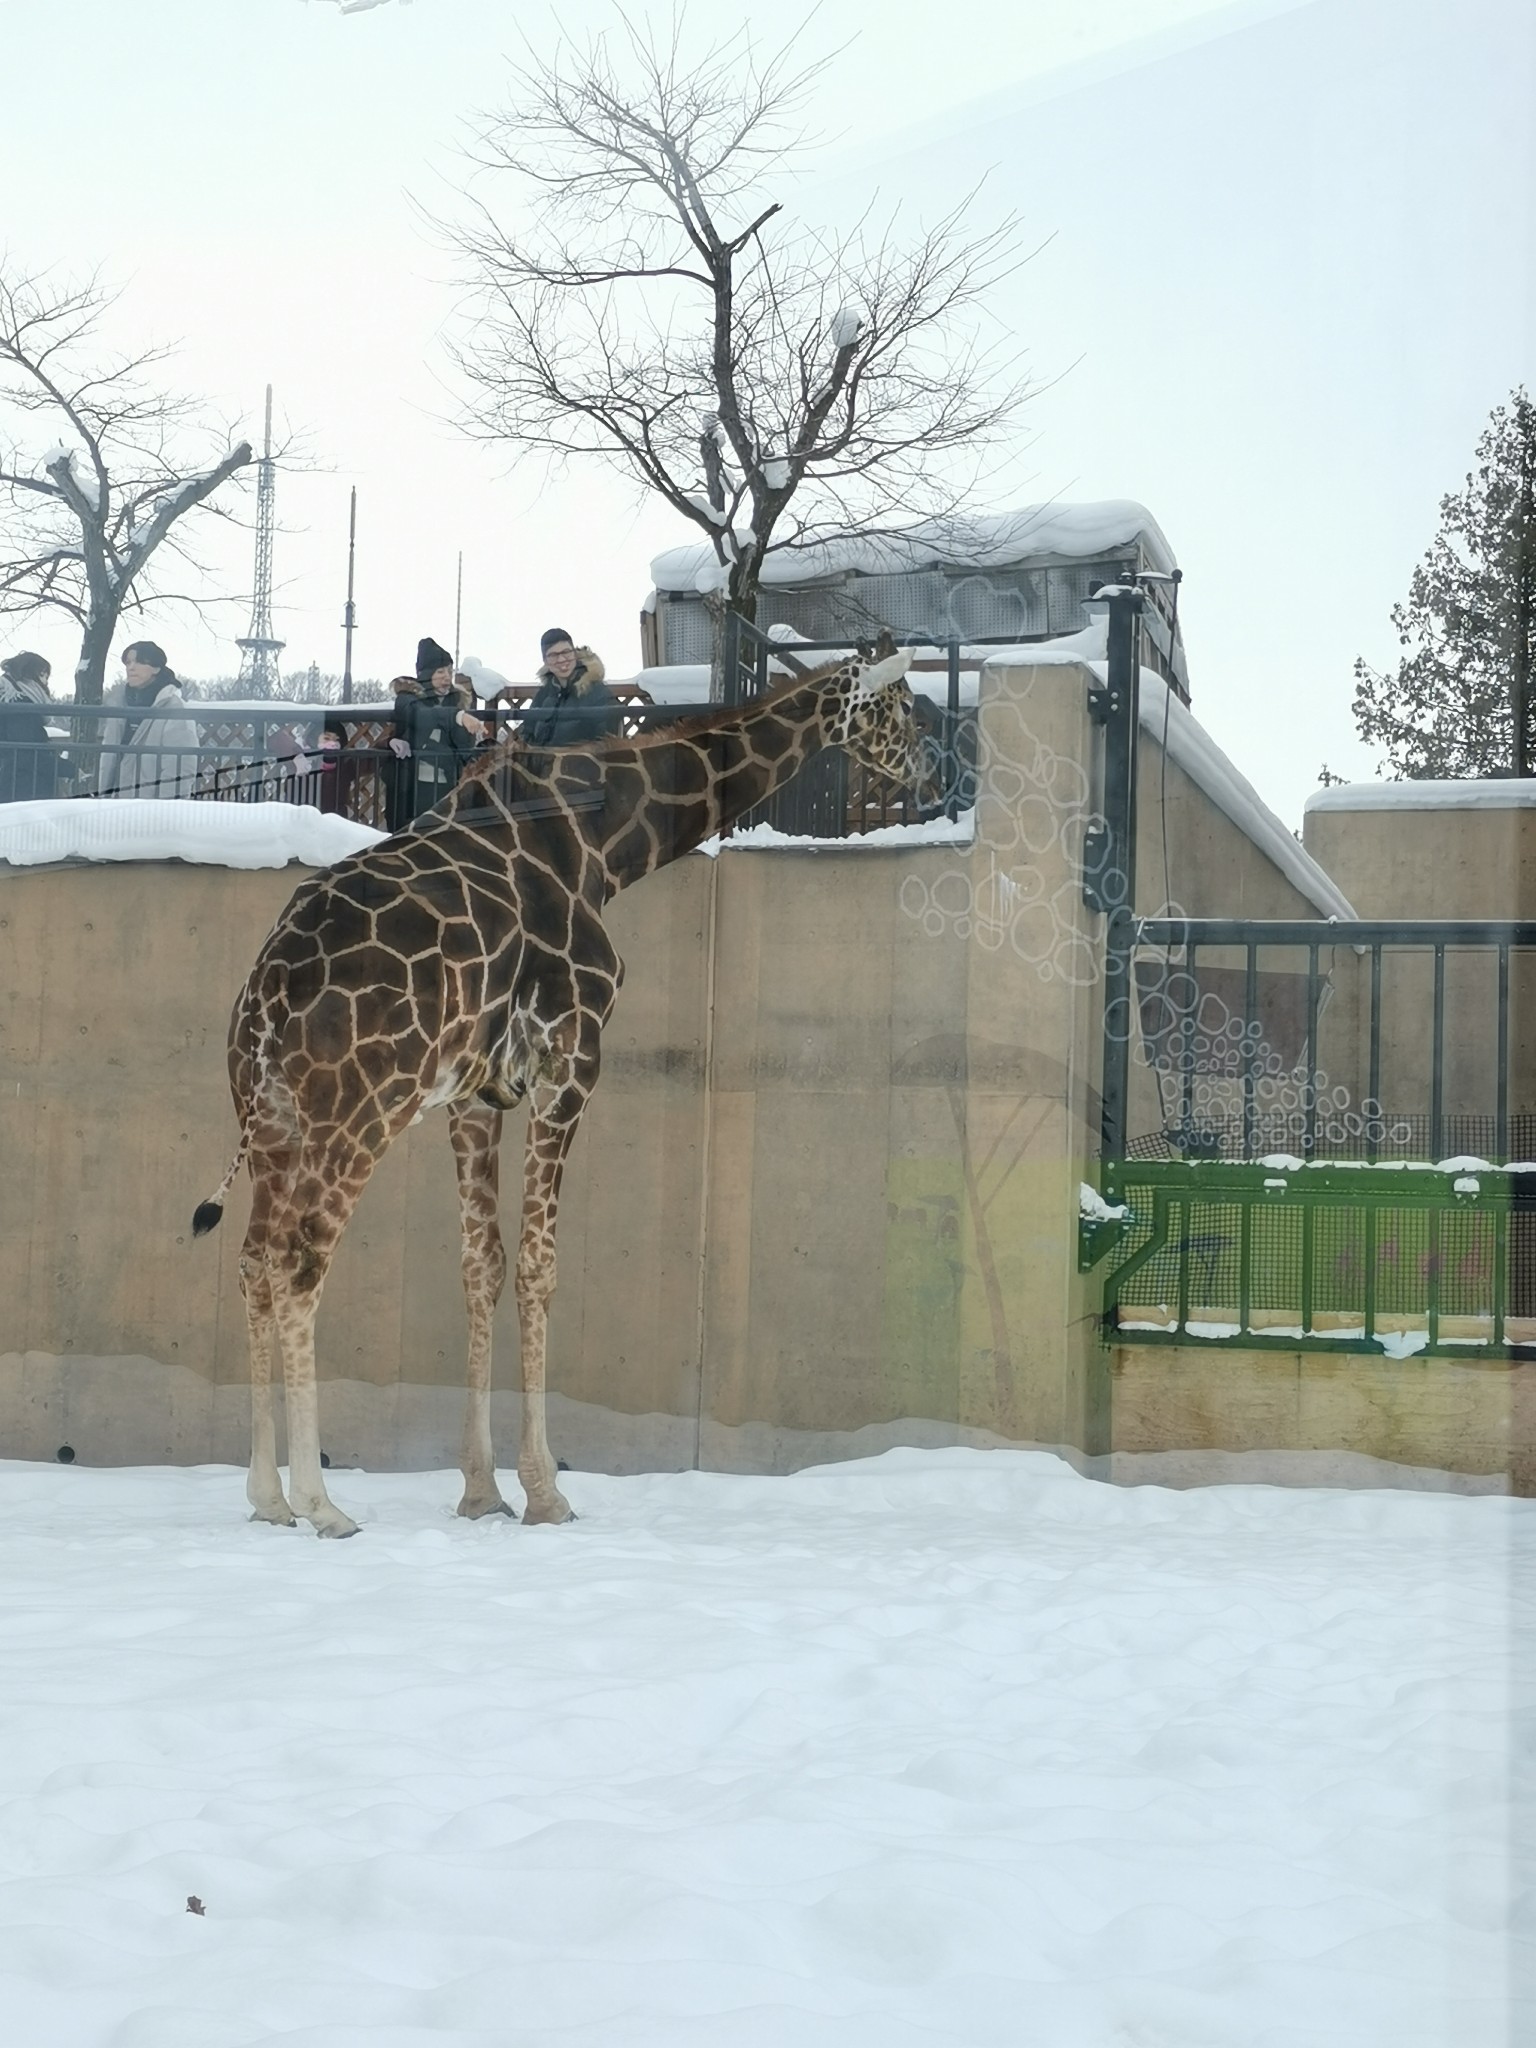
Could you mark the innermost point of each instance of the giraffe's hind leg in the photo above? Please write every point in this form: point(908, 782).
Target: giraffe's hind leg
point(301, 1244)
point(475, 1134)
point(263, 1482)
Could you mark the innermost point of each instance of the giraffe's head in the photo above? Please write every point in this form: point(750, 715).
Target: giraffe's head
point(878, 720)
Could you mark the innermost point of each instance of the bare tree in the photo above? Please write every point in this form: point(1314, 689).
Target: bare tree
point(91, 511)
point(778, 385)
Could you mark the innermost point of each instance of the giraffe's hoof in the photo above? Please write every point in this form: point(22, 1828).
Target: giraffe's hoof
point(280, 1517)
point(557, 1510)
point(334, 1524)
point(475, 1510)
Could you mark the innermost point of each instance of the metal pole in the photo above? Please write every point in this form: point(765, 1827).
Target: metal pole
point(349, 616)
point(458, 611)
point(1117, 885)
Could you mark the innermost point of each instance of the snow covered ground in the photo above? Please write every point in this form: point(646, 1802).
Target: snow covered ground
point(938, 1747)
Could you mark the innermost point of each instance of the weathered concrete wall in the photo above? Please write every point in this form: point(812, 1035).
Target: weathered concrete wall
point(1432, 1413)
point(827, 1185)
point(824, 1199)
point(1420, 863)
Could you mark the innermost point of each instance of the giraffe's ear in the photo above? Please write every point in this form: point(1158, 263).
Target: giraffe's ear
point(885, 646)
point(882, 673)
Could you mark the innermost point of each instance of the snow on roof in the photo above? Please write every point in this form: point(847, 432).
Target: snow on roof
point(994, 540)
point(165, 828)
point(1506, 793)
point(1193, 749)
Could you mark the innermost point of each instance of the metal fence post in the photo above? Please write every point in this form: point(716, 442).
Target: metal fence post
point(1111, 883)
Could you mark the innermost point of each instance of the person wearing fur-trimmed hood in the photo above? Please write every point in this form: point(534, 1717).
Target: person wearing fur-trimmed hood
point(433, 735)
point(137, 748)
point(29, 757)
point(572, 706)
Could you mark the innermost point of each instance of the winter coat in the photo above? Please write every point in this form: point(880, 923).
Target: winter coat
point(159, 728)
point(439, 747)
point(573, 713)
point(29, 759)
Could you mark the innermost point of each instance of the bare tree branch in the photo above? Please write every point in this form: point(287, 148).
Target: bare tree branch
point(649, 301)
point(90, 512)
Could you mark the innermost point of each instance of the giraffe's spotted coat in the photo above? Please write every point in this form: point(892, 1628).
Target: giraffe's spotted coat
point(464, 964)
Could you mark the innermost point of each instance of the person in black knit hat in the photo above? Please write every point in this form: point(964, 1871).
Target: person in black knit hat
point(434, 734)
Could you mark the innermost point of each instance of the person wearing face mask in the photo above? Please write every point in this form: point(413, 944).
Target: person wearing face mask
point(434, 734)
point(140, 749)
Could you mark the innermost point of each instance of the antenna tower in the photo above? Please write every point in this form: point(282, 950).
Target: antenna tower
point(259, 673)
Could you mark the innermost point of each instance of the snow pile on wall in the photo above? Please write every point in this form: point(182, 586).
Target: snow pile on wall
point(959, 831)
point(1035, 533)
point(1503, 794)
point(163, 828)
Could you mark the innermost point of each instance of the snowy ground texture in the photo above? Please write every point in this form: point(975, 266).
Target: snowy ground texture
point(937, 1747)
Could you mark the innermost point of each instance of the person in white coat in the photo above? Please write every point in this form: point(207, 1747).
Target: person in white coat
point(141, 751)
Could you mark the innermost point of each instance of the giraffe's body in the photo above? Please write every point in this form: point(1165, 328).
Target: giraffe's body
point(464, 964)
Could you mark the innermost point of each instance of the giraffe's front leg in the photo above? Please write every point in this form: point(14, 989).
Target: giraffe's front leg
point(475, 1133)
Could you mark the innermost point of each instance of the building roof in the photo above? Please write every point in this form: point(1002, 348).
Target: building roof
point(1037, 535)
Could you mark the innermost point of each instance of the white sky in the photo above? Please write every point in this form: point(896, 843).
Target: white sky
point(1289, 275)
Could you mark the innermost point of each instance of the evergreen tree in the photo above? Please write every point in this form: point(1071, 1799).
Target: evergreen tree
point(1461, 702)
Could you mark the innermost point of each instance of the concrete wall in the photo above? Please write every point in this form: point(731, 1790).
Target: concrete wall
point(824, 1199)
point(1428, 863)
point(1431, 1415)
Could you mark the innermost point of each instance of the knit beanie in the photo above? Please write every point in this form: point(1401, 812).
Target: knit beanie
point(551, 639)
point(430, 658)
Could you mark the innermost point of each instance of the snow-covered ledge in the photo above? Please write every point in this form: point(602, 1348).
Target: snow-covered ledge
point(272, 835)
point(957, 831)
point(163, 828)
point(1507, 793)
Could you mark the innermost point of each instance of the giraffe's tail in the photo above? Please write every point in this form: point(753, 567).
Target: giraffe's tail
point(208, 1215)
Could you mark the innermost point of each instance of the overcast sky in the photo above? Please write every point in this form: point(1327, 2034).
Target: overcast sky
point(1288, 274)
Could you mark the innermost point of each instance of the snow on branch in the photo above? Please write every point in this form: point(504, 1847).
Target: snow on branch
point(646, 299)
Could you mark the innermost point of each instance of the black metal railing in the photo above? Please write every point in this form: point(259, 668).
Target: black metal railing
point(832, 796)
point(1336, 1038)
point(273, 753)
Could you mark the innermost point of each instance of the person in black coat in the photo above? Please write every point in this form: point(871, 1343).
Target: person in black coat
point(434, 735)
point(29, 759)
point(571, 706)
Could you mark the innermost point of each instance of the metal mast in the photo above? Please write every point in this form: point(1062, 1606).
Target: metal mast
point(349, 616)
point(259, 674)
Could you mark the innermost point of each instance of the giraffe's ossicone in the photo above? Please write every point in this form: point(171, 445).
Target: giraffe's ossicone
point(463, 964)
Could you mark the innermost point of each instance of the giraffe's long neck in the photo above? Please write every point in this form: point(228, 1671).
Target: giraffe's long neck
point(682, 790)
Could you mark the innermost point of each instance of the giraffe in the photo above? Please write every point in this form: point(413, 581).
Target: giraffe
point(463, 964)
